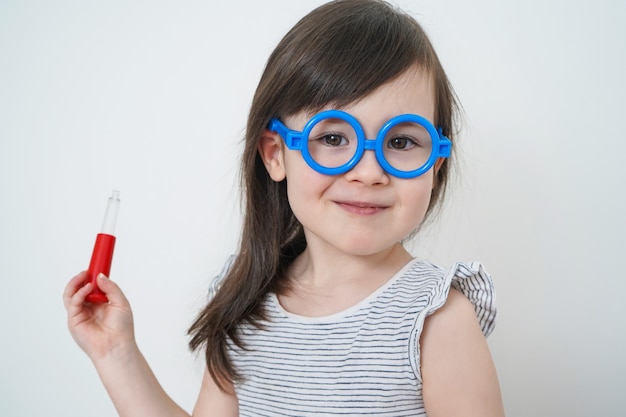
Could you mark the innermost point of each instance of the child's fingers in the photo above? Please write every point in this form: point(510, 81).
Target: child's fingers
point(111, 290)
point(73, 286)
point(76, 304)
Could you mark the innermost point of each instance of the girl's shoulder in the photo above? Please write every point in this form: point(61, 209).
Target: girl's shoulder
point(470, 279)
point(462, 288)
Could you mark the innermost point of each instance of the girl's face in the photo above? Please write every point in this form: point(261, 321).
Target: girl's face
point(366, 210)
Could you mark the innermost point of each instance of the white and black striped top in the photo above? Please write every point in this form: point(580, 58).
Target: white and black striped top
point(362, 361)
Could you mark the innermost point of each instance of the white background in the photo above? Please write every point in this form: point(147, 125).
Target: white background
point(150, 97)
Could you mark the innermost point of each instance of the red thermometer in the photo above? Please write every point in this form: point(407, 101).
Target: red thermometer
point(103, 249)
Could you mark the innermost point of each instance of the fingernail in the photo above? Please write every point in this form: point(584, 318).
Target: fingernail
point(102, 276)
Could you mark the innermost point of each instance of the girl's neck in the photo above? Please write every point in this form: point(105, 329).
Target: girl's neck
point(324, 282)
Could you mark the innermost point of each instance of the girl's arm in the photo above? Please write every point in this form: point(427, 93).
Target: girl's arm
point(458, 374)
point(214, 402)
point(132, 386)
point(105, 332)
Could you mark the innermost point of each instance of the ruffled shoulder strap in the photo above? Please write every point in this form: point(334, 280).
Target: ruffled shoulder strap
point(471, 280)
point(476, 284)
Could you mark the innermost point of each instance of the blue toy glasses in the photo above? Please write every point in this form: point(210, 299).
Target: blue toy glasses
point(333, 142)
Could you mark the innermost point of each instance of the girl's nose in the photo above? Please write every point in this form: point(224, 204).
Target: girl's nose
point(368, 171)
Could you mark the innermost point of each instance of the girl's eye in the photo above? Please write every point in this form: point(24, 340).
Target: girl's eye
point(333, 139)
point(401, 143)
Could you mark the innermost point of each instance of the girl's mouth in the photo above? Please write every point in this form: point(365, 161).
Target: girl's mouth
point(361, 208)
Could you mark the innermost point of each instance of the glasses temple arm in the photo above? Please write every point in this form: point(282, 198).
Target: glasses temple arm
point(444, 146)
point(292, 138)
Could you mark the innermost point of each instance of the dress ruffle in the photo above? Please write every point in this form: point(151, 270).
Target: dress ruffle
point(476, 284)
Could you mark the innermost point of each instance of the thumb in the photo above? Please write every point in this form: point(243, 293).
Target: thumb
point(111, 290)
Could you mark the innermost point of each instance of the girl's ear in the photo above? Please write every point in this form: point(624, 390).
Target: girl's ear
point(437, 165)
point(271, 151)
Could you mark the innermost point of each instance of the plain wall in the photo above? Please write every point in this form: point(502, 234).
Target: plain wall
point(151, 98)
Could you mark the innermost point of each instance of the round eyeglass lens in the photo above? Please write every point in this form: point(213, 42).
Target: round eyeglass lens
point(332, 142)
point(407, 146)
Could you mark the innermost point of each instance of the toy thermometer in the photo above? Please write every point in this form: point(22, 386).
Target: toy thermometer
point(103, 249)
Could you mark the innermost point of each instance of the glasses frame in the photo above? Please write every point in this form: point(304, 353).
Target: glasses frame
point(297, 140)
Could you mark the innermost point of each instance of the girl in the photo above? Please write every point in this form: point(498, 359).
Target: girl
point(322, 310)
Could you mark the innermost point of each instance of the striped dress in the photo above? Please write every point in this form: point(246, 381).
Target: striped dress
point(362, 361)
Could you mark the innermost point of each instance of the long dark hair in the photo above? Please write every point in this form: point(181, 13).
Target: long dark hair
point(338, 53)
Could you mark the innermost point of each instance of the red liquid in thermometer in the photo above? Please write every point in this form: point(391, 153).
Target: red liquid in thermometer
point(102, 255)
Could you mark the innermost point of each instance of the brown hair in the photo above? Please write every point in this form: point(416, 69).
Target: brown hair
point(338, 53)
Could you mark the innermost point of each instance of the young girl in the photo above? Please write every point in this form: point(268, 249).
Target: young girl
point(322, 311)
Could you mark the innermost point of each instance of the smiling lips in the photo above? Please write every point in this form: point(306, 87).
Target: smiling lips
point(362, 208)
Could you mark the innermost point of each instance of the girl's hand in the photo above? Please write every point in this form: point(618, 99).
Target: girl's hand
point(105, 332)
point(99, 329)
